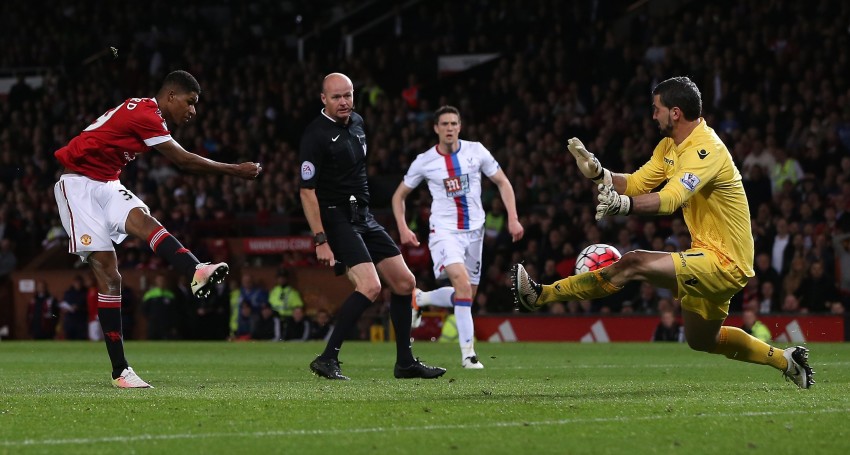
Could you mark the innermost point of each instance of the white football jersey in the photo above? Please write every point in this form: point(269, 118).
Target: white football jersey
point(455, 184)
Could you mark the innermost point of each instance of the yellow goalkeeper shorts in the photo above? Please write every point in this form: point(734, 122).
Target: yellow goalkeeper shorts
point(705, 283)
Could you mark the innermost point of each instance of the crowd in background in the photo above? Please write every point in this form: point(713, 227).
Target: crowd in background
point(235, 311)
point(773, 77)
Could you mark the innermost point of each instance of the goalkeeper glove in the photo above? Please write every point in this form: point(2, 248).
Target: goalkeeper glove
point(612, 203)
point(588, 164)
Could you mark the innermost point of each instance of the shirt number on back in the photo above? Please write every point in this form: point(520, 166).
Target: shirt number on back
point(108, 115)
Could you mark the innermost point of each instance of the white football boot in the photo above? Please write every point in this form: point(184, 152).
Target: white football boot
point(798, 367)
point(130, 380)
point(206, 276)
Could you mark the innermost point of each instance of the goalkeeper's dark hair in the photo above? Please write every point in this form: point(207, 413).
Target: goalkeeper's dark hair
point(680, 92)
point(182, 82)
point(446, 110)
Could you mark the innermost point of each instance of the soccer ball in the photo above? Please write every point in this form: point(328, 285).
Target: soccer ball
point(595, 257)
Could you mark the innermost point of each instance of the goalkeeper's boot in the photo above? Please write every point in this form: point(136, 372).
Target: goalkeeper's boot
point(130, 380)
point(418, 370)
point(526, 291)
point(416, 320)
point(798, 369)
point(472, 363)
point(327, 368)
point(206, 276)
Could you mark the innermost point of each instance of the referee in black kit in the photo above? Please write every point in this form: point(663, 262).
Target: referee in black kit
point(335, 197)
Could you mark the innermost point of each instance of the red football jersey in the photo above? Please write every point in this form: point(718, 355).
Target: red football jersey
point(114, 139)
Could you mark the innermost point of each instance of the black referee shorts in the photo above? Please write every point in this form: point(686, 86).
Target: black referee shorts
point(358, 241)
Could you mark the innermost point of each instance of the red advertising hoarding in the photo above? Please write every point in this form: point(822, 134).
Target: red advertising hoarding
point(277, 245)
point(604, 329)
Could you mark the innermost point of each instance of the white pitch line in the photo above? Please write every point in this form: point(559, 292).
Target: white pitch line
point(326, 432)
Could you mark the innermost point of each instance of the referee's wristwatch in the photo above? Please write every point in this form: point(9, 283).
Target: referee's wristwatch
point(320, 239)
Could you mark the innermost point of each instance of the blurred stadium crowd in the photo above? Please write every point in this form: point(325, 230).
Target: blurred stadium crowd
point(773, 74)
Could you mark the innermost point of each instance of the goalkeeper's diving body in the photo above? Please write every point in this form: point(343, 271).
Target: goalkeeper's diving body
point(703, 180)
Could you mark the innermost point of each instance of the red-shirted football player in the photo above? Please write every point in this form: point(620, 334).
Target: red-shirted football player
point(97, 210)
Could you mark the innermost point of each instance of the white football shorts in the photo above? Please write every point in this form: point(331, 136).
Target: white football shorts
point(457, 247)
point(93, 213)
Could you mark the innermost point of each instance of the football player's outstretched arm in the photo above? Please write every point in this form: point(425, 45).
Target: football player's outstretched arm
point(191, 162)
point(591, 168)
point(509, 199)
point(588, 164)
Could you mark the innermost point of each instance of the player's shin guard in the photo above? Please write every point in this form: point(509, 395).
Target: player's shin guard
point(736, 344)
point(584, 286)
point(169, 248)
point(401, 316)
point(109, 314)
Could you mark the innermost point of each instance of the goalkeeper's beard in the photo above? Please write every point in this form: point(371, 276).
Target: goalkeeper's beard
point(666, 131)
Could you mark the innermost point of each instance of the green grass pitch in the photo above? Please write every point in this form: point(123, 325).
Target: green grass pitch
point(531, 398)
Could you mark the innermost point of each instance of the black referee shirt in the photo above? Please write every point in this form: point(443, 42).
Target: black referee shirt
point(333, 160)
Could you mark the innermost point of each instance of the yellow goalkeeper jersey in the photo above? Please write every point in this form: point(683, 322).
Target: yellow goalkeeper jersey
point(703, 180)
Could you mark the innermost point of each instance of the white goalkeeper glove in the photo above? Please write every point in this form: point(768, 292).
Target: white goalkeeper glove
point(612, 203)
point(588, 164)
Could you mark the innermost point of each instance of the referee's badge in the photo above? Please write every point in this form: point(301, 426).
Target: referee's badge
point(308, 170)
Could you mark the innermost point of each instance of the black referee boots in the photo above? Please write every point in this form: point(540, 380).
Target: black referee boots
point(418, 370)
point(327, 368)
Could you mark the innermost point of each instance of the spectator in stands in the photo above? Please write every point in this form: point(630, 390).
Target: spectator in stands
point(646, 300)
point(791, 304)
point(841, 246)
point(8, 260)
point(768, 303)
point(754, 327)
point(252, 293)
point(213, 313)
point(794, 277)
point(75, 310)
point(668, 328)
point(786, 170)
point(818, 292)
point(557, 308)
point(267, 325)
point(20, 92)
point(242, 322)
point(322, 327)
point(160, 307)
point(624, 241)
point(56, 235)
point(43, 313)
point(284, 297)
point(297, 327)
point(781, 249)
point(765, 271)
point(761, 157)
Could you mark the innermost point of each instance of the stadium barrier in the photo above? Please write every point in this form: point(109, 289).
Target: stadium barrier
point(605, 329)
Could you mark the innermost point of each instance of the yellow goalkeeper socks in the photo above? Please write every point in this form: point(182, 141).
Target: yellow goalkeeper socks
point(584, 286)
point(736, 344)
